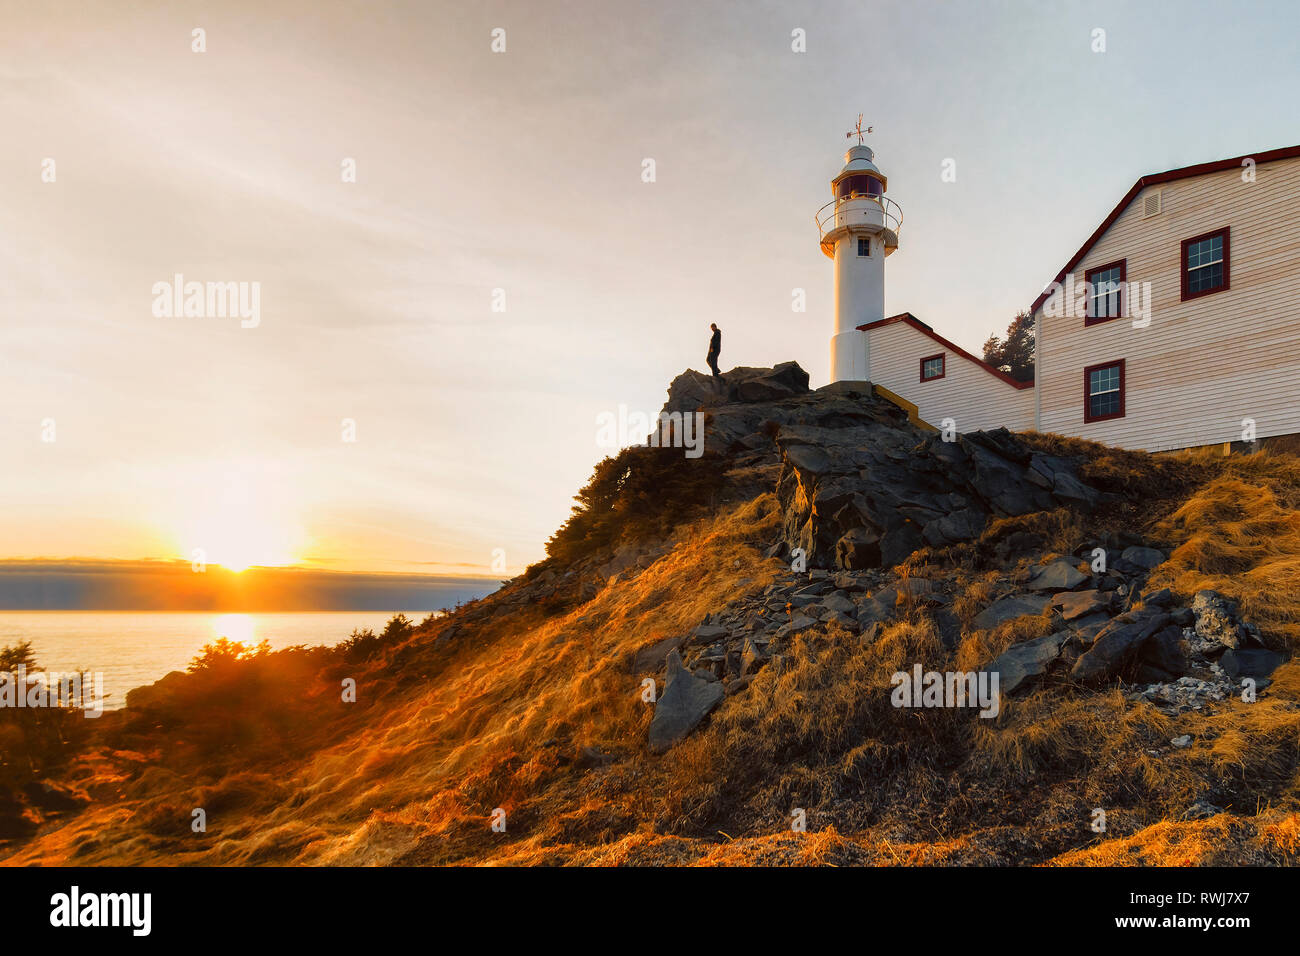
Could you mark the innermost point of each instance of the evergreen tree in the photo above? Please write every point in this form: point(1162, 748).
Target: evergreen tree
point(1015, 354)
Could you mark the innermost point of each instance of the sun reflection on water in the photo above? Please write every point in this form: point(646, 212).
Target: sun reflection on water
point(236, 627)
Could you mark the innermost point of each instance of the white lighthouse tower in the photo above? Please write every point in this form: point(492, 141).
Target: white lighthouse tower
point(859, 228)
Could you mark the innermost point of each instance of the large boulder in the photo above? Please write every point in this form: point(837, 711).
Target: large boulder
point(1117, 645)
point(767, 385)
point(707, 634)
point(861, 487)
point(1216, 619)
point(1254, 662)
point(1059, 575)
point(1023, 662)
point(1011, 606)
point(653, 656)
point(1075, 605)
point(753, 657)
point(692, 390)
point(686, 701)
point(1161, 657)
point(1144, 558)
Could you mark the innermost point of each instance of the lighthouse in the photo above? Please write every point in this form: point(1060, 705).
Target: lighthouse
point(859, 229)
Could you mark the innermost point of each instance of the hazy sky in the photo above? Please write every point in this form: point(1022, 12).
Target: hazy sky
point(518, 171)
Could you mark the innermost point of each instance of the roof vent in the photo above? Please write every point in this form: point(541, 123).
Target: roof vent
point(1151, 205)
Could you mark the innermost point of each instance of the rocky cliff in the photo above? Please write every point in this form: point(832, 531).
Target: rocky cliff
point(881, 520)
point(862, 491)
point(714, 645)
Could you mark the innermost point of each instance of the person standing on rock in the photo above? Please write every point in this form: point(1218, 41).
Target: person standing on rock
point(715, 349)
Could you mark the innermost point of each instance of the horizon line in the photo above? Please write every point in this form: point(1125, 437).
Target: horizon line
point(47, 562)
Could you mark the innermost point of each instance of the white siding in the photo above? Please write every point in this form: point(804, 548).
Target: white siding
point(1201, 366)
point(968, 393)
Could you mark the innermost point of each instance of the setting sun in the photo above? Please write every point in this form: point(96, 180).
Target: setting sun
point(241, 557)
point(249, 522)
point(240, 544)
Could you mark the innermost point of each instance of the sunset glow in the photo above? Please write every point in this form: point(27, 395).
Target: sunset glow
point(235, 627)
point(443, 438)
point(240, 546)
point(382, 315)
point(250, 521)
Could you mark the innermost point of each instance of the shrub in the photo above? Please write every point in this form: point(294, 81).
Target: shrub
point(364, 643)
point(224, 653)
point(640, 493)
point(33, 740)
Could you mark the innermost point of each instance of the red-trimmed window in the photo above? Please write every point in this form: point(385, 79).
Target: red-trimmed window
point(932, 367)
point(1103, 391)
point(1105, 292)
point(1205, 264)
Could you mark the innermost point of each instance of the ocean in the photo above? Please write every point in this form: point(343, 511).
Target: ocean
point(136, 648)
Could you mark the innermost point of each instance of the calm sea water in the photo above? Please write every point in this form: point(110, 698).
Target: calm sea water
point(135, 648)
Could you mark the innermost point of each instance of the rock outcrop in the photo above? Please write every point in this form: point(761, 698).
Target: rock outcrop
point(1117, 644)
point(692, 390)
point(870, 494)
point(861, 485)
point(687, 700)
point(1027, 660)
point(861, 488)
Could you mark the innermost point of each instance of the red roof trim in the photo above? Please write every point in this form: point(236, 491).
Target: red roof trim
point(1155, 179)
point(909, 319)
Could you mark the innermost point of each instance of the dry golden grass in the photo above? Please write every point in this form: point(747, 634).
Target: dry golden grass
point(1283, 836)
point(1167, 843)
point(979, 592)
point(1240, 534)
point(440, 738)
point(435, 759)
point(1137, 476)
point(979, 647)
point(1219, 840)
point(1061, 529)
point(1046, 732)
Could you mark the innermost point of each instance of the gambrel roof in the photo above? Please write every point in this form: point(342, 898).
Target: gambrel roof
point(1155, 179)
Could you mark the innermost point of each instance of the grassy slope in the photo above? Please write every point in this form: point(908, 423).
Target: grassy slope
point(441, 737)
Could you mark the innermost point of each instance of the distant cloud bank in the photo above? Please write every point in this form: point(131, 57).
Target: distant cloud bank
point(174, 586)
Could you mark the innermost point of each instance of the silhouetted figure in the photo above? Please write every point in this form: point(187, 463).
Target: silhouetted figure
point(715, 349)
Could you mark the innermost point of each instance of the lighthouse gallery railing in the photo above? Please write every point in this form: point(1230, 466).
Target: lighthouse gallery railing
point(832, 216)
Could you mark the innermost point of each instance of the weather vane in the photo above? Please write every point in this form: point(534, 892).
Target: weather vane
point(858, 130)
